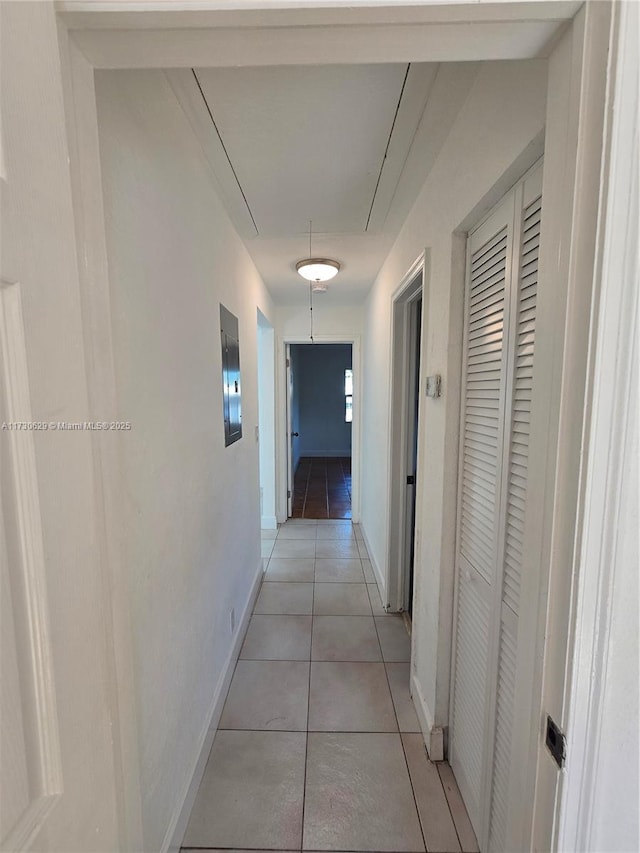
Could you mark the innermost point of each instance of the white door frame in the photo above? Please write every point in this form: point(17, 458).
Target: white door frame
point(608, 557)
point(408, 291)
point(283, 440)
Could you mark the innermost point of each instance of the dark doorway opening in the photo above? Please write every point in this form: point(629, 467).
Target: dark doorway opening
point(321, 404)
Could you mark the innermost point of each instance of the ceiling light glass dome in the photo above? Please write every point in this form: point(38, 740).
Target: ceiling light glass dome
point(317, 269)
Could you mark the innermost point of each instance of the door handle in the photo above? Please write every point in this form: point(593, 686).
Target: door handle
point(295, 434)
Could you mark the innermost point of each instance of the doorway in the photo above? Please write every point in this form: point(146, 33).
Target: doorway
point(320, 417)
point(407, 334)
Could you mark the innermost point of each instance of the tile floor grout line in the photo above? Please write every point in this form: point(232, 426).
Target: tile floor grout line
point(413, 791)
point(400, 733)
point(446, 796)
point(306, 750)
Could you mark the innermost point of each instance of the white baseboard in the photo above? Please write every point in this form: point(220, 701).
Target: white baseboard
point(433, 735)
point(178, 825)
point(382, 587)
point(269, 522)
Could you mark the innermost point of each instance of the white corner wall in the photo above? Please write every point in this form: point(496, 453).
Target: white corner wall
point(267, 421)
point(496, 135)
point(191, 519)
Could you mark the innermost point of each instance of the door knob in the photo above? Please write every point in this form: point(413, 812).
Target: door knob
point(295, 434)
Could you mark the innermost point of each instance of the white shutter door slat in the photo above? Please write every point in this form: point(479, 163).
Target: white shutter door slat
point(497, 382)
point(503, 733)
point(515, 507)
point(471, 660)
point(523, 383)
point(481, 439)
point(482, 404)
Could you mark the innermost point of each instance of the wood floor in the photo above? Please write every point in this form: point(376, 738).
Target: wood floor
point(322, 488)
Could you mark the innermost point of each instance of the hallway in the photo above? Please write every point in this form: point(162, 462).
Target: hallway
point(319, 746)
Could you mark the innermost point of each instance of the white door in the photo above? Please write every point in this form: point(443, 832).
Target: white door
point(57, 772)
point(497, 380)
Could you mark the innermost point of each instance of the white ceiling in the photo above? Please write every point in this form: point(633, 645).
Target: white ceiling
point(345, 146)
point(305, 142)
point(275, 61)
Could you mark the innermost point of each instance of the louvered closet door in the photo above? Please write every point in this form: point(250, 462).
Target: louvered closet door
point(518, 413)
point(482, 438)
point(499, 336)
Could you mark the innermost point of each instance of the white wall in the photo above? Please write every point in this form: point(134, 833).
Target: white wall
point(191, 519)
point(490, 141)
point(267, 422)
point(328, 319)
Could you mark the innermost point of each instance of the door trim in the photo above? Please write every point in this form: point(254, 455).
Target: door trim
point(282, 391)
point(410, 289)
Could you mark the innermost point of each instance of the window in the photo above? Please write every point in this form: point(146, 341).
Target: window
point(348, 395)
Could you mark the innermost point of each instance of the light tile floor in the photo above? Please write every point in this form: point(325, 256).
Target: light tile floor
point(319, 747)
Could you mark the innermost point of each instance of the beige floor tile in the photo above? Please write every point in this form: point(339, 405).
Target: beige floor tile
point(297, 531)
point(341, 599)
point(344, 638)
point(350, 697)
point(394, 639)
point(398, 675)
point(362, 548)
point(292, 569)
point(358, 794)
point(335, 531)
point(277, 638)
point(437, 825)
point(339, 571)
point(367, 568)
point(266, 547)
point(458, 811)
point(268, 694)
point(251, 794)
point(376, 601)
point(295, 522)
point(285, 598)
point(337, 549)
point(294, 548)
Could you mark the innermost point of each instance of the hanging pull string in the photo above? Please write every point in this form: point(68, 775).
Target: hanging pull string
point(310, 293)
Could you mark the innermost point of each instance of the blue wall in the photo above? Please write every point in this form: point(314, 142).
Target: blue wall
point(319, 385)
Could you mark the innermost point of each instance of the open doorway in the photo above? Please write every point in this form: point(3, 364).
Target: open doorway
point(320, 414)
point(407, 331)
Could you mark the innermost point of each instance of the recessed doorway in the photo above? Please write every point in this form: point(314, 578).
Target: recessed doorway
point(320, 417)
point(407, 330)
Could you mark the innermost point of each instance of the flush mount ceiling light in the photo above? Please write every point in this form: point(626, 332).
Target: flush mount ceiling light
point(318, 269)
